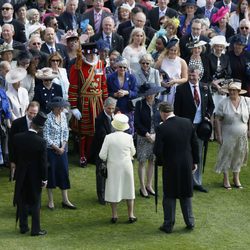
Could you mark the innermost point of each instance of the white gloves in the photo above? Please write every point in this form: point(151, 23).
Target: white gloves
point(76, 113)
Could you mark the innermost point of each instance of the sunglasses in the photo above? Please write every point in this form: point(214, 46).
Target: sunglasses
point(36, 44)
point(145, 63)
point(56, 8)
point(122, 67)
point(242, 28)
point(55, 60)
point(6, 8)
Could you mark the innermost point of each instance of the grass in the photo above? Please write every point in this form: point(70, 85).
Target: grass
point(222, 217)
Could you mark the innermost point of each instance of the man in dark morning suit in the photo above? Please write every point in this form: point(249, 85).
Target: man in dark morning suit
point(139, 21)
point(195, 35)
point(232, 6)
point(96, 15)
point(7, 17)
point(193, 100)
point(30, 158)
point(161, 10)
point(69, 19)
point(114, 40)
point(50, 46)
point(209, 9)
point(176, 146)
point(102, 128)
point(20, 125)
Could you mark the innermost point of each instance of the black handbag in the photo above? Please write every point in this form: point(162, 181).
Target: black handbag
point(103, 170)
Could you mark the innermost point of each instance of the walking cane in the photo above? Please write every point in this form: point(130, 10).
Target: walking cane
point(156, 184)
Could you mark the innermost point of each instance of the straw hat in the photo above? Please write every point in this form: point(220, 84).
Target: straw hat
point(196, 43)
point(5, 47)
point(16, 75)
point(219, 40)
point(46, 74)
point(219, 14)
point(120, 122)
point(234, 84)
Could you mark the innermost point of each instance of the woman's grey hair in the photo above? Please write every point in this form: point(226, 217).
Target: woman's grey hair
point(110, 101)
point(147, 57)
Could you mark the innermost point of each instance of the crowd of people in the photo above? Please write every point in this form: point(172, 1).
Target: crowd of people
point(118, 75)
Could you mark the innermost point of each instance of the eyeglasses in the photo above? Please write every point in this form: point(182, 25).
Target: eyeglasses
point(36, 44)
point(6, 8)
point(56, 8)
point(145, 63)
point(242, 28)
point(122, 67)
point(55, 60)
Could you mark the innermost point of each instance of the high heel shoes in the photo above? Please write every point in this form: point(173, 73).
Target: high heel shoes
point(149, 192)
point(64, 205)
point(132, 219)
point(143, 195)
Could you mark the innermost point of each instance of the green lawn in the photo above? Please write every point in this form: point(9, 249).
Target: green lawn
point(222, 218)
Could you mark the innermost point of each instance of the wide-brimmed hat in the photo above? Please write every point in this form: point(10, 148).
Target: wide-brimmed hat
point(40, 119)
point(5, 47)
point(120, 122)
point(46, 74)
point(172, 42)
point(219, 14)
point(196, 43)
point(33, 28)
point(234, 84)
point(239, 39)
point(189, 3)
point(148, 89)
point(121, 61)
point(58, 102)
point(89, 48)
point(16, 75)
point(219, 40)
point(102, 45)
point(204, 130)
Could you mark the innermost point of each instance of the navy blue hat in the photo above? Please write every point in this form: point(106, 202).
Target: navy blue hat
point(102, 45)
point(189, 3)
point(172, 42)
point(40, 119)
point(58, 102)
point(239, 39)
point(147, 89)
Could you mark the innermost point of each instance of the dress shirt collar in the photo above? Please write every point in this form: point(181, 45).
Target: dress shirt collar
point(170, 116)
point(110, 117)
point(105, 35)
point(97, 13)
point(33, 130)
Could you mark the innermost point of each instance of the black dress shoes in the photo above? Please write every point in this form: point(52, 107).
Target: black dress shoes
point(167, 230)
point(83, 162)
point(201, 189)
point(143, 195)
point(24, 230)
point(190, 227)
point(64, 205)
point(132, 219)
point(40, 233)
point(113, 220)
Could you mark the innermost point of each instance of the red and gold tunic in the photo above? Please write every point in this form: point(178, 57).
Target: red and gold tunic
point(87, 91)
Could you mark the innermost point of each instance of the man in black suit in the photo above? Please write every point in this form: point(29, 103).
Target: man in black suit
point(96, 15)
point(226, 3)
point(50, 46)
point(114, 40)
point(139, 21)
point(30, 158)
point(69, 19)
point(102, 128)
point(8, 35)
point(51, 21)
point(20, 125)
point(161, 10)
point(209, 9)
point(193, 100)
point(195, 35)
point(7, 17)
point(176, 146)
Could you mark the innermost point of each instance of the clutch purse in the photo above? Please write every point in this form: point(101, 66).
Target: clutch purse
point(103, 170)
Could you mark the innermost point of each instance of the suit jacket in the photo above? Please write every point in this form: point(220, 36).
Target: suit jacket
point(15, 45)
point(61, 49)
point(19, 30)
point(185, 51)
point(65, 21)
point(213, 11)
point(176, 145)
point(154, 77)
point(184, 105)
point(116, 43)
point(221, 4)
point(154, 16)
point(90, 15)
point(150, 32)
point(123, 26)
point(30, 157)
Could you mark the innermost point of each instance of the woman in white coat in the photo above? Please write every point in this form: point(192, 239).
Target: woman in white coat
point(18, 96)
point(118, 150)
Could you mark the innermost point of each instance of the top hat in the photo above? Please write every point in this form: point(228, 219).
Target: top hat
point(120, 122)
point(40, 119)
point(204, 130)
point(89, 48)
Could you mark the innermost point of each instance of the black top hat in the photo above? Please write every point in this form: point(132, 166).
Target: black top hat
point(204, 130)
point(58, 102)
point(147, 89)
point(89, 48)
point(40, 119)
